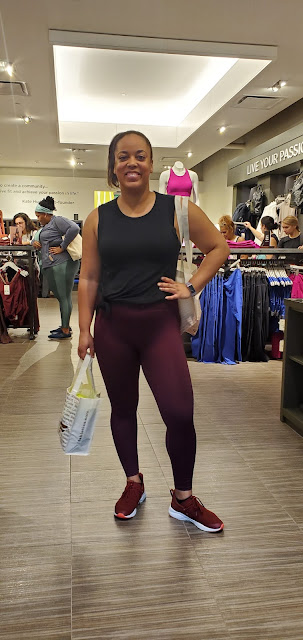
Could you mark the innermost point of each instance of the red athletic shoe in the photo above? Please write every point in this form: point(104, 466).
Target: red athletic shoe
point(133, 494)
point(192, 510)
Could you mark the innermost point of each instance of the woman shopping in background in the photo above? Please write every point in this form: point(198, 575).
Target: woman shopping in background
point(293, 238)
point(227, 228)
point(130, 252)
point(57, 265)
point(267, 226)
point(25, 227)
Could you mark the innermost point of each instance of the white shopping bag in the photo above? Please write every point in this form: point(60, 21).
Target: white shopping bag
point(77, 424)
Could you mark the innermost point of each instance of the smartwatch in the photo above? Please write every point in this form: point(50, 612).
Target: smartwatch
point(191, 289)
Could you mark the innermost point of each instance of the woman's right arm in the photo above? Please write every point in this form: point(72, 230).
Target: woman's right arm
point(254, 231)
point(88, 283)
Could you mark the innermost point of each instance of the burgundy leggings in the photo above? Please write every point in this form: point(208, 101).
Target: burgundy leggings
point(147, 335)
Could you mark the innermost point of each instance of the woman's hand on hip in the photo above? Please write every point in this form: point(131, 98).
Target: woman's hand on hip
point(174, 289)
point(86, 344)
point(56, 250)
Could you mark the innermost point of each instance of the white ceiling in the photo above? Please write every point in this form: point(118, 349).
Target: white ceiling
point(156, 77)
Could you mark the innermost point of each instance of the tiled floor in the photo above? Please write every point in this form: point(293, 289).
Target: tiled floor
point(70, 571)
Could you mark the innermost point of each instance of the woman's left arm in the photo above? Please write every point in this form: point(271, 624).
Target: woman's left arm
point(68, 228)
point(210, 241)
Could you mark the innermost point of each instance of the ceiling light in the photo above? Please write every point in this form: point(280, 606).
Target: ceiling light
point(80, 164)
point(6, 66)
point(26, 119)
point(222, 129)
point(9, 69)
point(73, 162)
point(189, 155)
point(278, 85)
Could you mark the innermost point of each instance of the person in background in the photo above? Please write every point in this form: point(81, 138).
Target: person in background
point(267, 225)
point(25, 227)
point(57, 266)
point(227, 228)
point(293, 238)
point(130, 252)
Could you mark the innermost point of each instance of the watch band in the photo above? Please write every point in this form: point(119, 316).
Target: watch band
point(191, 288)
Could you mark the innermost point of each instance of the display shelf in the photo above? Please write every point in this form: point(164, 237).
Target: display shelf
point(292, 378)
point(294, 417)
point(297, 359)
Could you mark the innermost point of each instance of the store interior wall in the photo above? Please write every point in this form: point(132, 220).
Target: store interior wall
point(216, 197)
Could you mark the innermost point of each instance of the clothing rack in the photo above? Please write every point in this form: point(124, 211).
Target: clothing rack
point(28, 256)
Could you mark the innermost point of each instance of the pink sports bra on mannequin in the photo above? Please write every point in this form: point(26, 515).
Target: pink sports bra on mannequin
point(179, 185)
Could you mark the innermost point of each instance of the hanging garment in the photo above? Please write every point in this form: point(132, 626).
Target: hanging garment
point(179, 185)
point(232, 318)
point(258, 200)
point(14, 298)
point(241, 213)
point(219, 335)
point(255, 316)
point(297, 286)
point(297, 192)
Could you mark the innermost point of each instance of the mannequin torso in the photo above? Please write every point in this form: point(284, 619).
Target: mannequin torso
point(179, 181)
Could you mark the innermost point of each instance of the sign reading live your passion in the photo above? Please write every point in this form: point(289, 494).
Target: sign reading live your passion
point(286, 153)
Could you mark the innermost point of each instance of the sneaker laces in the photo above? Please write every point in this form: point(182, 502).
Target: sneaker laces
point(128, 491)
point(196, 504)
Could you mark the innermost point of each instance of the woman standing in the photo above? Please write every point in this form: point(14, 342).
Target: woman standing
point(25, 227)
point(57, 266)
point(131, 247)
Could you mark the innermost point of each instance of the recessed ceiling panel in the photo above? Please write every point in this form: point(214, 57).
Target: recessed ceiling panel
point(165, 95)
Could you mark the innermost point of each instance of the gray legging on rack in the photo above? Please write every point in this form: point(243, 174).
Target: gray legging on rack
point(61, 281)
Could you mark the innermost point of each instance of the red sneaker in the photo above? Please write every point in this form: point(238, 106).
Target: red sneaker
point(133, 494)
point(192, 510)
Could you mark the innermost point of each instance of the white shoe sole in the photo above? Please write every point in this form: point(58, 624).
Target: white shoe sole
point(181, 516)
point(133, 513)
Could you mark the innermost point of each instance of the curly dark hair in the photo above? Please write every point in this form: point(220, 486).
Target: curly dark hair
point(29, 224)
point(48, 202)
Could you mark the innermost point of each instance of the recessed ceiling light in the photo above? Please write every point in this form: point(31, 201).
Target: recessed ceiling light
point(26, 119)
point(222, 129)
point(9, 69)
point(278, 85)
point(6, 66)
point(189, 155)
point(73, 162)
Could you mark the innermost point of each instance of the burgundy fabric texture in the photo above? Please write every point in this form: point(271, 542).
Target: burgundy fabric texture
point(148, 336)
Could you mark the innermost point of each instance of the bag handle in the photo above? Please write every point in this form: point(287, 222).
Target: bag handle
point(181, 205)
point(81, 372)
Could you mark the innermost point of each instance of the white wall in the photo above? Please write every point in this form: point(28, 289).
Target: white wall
point(216, 197)
point(72, 195)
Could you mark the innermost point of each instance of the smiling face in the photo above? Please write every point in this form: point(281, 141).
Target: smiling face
point(133, 163)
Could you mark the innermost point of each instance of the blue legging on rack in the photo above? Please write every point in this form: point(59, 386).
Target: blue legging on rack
point(219, 335)
point(147, 335)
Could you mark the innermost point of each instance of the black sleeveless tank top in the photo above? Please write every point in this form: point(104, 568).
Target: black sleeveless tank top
point(136, 252)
